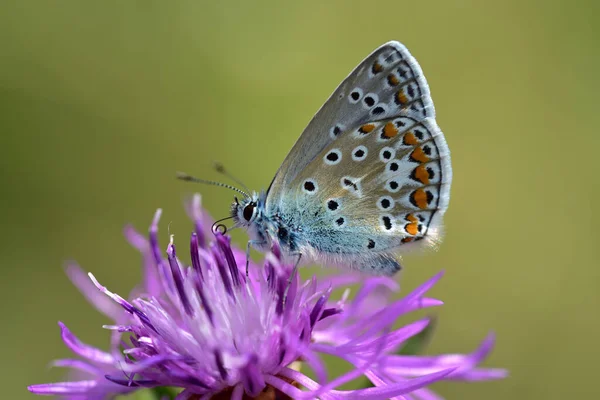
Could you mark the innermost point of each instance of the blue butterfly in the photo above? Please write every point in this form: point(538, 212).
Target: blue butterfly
point(369, 176)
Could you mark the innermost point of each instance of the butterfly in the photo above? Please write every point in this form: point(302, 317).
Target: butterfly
point(369, 177)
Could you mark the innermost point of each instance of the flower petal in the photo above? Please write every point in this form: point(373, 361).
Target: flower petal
point(96, 299)
point(86, 351)
point(62, 388)
point(252, 377)
point(377, 393)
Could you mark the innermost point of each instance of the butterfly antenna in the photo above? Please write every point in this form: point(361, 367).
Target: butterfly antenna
point(188, 178)
point(221, 169)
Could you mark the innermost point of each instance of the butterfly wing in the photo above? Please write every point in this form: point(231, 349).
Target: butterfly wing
point(380, 181)
point(363, 96)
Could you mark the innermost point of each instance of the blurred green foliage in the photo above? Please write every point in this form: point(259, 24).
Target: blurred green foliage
point(101, 102)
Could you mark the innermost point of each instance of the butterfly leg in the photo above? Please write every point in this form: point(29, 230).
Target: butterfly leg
point(248, 247)
point(292, 276)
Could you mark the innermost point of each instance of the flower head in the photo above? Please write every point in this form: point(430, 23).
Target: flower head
point(216, 333)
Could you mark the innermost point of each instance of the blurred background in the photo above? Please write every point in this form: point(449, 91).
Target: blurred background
point(101, 102)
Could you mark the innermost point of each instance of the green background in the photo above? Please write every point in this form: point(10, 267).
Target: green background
point(101, 102)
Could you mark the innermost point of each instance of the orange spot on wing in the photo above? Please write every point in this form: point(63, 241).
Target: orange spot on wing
point(367, 128)
point(411, 218)
point(393, 79)
point(401, 97)
point(419, 155)
point(420, 198)
point(377, 68)
point(421, 174)
point(412, 228)
point(410, 139)
point(390, 130)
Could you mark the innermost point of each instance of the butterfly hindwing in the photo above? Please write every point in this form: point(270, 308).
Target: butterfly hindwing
point(374, 192)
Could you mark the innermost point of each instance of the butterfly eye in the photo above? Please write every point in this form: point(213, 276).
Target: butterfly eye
point(249, 211)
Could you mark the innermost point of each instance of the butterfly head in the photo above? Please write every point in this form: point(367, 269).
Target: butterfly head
point(249, 214)
point(245, 211)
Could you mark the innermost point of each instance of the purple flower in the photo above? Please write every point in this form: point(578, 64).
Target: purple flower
point(213, 332)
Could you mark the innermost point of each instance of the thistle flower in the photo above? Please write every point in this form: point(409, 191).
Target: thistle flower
point(214, 332)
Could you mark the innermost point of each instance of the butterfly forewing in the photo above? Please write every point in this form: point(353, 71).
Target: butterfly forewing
point(387, 81)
